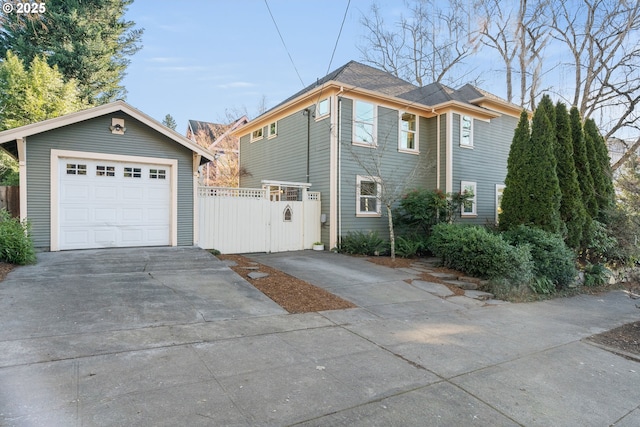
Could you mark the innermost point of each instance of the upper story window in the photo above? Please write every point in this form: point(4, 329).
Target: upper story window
point(408, 132)
point(466, 131)
point(323, 108)
point(364, 128)
point(256, 134)
point(273, 129)
point(469, 206)
point(368, 196)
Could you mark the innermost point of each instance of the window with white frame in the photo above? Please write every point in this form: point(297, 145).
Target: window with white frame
point(273, 129)
point(466, 131)
point(499, 192)
point(256, 134)
point(468, 207)
point(408, 132)
point(323, 108)
point(368, 196)
point(364, 128)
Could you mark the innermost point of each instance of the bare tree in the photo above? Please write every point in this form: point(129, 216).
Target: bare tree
point(392, 182)
point(429, 45)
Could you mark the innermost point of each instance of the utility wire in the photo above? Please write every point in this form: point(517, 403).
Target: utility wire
point(283, 43)
point(344, 18)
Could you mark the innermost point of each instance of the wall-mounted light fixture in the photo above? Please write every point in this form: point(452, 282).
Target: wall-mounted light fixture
point(117, 126)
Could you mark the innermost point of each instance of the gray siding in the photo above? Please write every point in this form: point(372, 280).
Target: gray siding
point(94, 136)
point(485, 164)
point(396, 166)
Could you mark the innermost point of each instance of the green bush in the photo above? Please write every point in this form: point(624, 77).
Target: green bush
point(360, 243)
point(552, 258)
point(477, 252)
point(16, 246)
point(596, 275)
point(407, 247)
point(420, 209)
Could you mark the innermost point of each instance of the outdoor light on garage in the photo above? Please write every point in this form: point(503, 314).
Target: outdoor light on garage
point(117, 126)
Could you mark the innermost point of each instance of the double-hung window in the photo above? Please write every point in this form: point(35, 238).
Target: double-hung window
point(408, 132)
point(368, 196)
point(468, 207)
point(466, 131)
point(364, 128)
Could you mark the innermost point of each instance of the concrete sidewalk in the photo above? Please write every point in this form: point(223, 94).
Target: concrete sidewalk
point(406, 356)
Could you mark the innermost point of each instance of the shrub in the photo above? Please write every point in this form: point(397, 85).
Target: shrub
point(359, 243)
point(596, 275)
point(407, 247)
point(600, 245)
point(552, 258)
point(475, 251)
point(420, 209)
point(16, 246)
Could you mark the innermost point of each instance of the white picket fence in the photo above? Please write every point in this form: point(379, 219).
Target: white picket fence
point(245, 220)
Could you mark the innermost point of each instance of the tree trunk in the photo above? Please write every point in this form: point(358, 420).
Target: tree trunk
point(392, 236)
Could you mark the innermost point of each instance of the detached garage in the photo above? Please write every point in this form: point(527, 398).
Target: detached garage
point(109, 176)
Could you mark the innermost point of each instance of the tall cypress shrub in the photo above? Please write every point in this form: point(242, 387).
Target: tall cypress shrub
point(514, 194)
point(582, 166)
point(572, 210)
point(599, 164)
point(543, 205)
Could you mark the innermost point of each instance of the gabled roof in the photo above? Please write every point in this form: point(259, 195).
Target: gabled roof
point(8, 137)
point(213, 131)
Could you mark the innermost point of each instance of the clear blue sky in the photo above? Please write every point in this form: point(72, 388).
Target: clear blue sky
point(201, 57)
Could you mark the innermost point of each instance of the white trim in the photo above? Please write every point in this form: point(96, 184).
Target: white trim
point(470, 144)
point(196, 199)
point(56, 155)
point(416, 133)
point(499, 189)
point(22, 169)
point(365, 214)
point(325, 115)
point(374, 124)
point(334, 166)
point(449, 154)
point(474, 200)
point(274, 134)
point(438, 160)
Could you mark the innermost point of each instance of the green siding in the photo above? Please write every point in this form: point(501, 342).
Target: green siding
point(94, 136)
point(485, 163)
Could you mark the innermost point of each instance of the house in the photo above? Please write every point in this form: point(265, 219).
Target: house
point(108, 176)
point(224, 170)
point(323, 134)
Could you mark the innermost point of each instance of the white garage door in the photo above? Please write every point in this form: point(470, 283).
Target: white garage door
point(113, 204)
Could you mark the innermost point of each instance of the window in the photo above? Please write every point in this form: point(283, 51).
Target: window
point(256, 134)
point(157, 173)
point(408, 132)
point(105, 171)
point(364, 123)
point(288, 214)
point(466, 131)
point(323, 109)
point(74, 169)
point(368, 196)
point(132, 172)
point(273, 129)
point(499, 192)
point(469, 206)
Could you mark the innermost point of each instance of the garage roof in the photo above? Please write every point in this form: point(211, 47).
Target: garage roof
point(8, 137)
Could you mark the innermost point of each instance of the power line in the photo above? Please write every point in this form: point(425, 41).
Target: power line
point(335, 47)
point(283, 43)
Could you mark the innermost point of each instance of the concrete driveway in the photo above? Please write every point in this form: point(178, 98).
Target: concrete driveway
point(171, 336)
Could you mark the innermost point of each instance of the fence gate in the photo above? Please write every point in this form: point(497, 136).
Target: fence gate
point(281, 216)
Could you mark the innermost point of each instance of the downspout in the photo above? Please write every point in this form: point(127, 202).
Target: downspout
point(438, 144)
point(339, 168)
point(22, 173)
point(307, 113)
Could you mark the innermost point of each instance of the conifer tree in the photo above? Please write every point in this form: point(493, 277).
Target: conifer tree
point(600, 168)
point(514, 192)
point(582, 166)
point(572, 211)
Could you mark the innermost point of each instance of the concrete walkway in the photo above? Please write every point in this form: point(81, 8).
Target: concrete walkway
point(170, 336)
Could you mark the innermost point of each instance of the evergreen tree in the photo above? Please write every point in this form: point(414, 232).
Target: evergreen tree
point(543, 205)
point(582, 166)
point(169, 122)
point(88, 40)
point(600, 166)
point(514, 193)
point(33, 94)
point(572, 211)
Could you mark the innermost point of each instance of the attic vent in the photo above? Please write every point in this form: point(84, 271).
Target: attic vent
point(117, 126)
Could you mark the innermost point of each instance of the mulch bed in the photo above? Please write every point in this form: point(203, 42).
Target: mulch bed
point(625, 338)
point(5, 269)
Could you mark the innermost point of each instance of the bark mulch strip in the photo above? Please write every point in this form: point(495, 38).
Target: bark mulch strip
point(290, 293)
point(625, 338)
point(5, 269)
